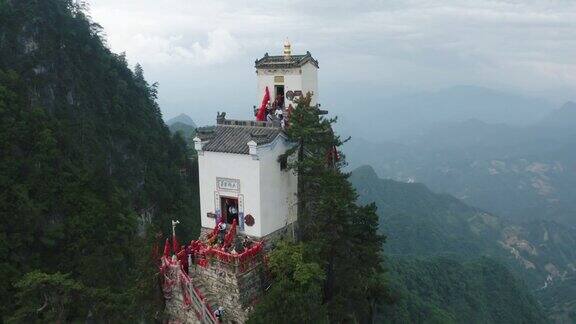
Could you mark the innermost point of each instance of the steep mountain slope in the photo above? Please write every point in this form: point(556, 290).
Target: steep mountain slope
point(87, 164)
point(420, 223)
point(442, 290)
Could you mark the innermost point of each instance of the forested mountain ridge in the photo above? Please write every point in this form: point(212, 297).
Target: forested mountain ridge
point(87, 165)
point(445, 290)
point(419, 223)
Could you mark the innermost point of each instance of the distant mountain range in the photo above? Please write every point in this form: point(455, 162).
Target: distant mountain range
point(522, 173)
point(183, 124)
point(183, 119)
point(563, 117)
point(438, 227)
point(381, 117)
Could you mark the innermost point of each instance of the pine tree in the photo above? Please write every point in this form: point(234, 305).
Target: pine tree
point(335, 232)
point(83, 153)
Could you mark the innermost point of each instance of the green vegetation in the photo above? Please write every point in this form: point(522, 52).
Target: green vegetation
point(438, 245)
point(296, 295)
point(442, 260)
point(90, 177)
point(422, 223)
point(334, 231)
point(89, 173)
point(441, 290)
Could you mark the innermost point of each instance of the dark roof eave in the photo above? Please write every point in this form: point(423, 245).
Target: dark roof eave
point(235, 138)
point(279, 61)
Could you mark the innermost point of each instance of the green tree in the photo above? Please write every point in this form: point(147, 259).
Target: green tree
point(87, 166)
point(296, 295)
point(46, 297)
point(335, 232)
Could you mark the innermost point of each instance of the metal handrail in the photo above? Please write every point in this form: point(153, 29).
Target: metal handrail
point(203, 311)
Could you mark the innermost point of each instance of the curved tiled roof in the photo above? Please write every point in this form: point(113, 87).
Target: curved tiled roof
point(233, 137)
point(282, 62)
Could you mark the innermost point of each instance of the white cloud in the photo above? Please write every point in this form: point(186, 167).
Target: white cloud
point(524, 45)
point(219, 47)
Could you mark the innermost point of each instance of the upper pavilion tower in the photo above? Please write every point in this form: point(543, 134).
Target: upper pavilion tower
point(287, 75)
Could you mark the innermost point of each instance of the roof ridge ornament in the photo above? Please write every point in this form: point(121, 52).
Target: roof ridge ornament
point(258, 135)
point(220, 117)
point(287, 49)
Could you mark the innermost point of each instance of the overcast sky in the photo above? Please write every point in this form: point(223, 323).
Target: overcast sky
point(202, 52)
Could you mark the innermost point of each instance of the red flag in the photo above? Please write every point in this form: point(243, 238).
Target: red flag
point(261, 115)
point(167, 248)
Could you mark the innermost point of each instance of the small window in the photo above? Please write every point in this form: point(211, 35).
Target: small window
point(283, 162)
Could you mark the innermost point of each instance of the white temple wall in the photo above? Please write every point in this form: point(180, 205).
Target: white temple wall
point(240, 167)
point(304, 79)
point(264, 80)
point(293, 82)
point(277, 189)
point(310, 81)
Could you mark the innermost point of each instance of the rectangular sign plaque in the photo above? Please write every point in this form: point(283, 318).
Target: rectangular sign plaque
point(228, 184)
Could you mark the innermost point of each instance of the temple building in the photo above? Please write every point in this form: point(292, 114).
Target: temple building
point(240, 171)
point(288, 76)
point(248, 200)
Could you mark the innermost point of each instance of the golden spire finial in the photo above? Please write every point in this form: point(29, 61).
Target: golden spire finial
point(287, 49)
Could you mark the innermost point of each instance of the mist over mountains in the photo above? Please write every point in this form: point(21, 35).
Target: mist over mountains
point(522, 173)
point(501, 186)
point(383, 117)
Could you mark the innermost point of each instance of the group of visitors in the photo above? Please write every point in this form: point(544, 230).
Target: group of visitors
point(275, 111)
point(230, 215)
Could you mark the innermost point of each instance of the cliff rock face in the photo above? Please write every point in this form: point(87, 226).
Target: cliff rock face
point(203, 278)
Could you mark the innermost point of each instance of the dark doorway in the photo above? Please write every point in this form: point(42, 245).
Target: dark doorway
point(229, 207)
point(279, 96)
